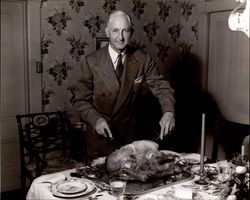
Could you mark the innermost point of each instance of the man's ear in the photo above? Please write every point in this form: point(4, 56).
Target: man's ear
point(107, 31)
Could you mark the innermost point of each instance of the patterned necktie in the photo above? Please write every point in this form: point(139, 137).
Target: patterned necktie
point(119, 67)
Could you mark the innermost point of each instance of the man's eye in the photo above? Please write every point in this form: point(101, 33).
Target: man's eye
point(127, 30)
point(114, 30)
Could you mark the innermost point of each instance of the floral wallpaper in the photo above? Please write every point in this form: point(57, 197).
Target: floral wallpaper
point(167, 29)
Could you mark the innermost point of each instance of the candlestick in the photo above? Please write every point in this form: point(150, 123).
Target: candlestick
point(202, 144)
point(243, 150)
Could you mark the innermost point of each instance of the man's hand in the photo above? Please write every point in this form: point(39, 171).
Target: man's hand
point(102, 128)
point(167, 124)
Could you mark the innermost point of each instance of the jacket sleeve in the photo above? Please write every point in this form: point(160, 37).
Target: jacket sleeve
point(84, 94)
point(159, 86)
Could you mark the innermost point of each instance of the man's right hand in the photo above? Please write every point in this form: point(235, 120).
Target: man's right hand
point(102, 128)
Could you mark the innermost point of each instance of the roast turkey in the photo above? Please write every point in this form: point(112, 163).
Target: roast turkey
point(140, 160)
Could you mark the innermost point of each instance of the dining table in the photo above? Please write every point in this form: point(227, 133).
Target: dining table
point(43, 188)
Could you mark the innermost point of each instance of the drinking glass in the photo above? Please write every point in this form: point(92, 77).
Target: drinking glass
point(118, 186)
point(224, 170)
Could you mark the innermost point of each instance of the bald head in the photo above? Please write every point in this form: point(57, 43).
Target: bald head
point(118, 15)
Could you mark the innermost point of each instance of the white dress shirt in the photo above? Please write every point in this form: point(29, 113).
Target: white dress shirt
point(114, 56)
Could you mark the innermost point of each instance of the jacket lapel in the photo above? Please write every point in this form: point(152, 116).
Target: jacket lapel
point(130, 71)
point(106, 72)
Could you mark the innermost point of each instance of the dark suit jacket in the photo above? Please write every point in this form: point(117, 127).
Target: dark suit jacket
point(100, 94)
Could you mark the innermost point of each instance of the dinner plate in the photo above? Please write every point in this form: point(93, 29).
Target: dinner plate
point(73, 188)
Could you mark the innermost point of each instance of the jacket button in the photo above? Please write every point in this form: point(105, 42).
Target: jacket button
point(103, 95)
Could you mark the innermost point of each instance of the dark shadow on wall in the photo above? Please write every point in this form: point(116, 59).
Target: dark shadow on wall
point(191, 101)
point(185, 78)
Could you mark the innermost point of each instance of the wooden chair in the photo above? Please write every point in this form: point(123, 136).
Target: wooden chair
point(43, 145)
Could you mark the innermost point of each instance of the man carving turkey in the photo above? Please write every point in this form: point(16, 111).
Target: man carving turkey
point(108, 102)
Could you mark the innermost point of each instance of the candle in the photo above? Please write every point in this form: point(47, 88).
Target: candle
point(243, 150)
point(202, 144)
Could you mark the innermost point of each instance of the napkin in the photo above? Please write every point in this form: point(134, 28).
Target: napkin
point(51, 178)
point(39, 188)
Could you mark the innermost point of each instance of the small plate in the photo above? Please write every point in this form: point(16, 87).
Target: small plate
point(40, 120)
point(58, 190)
point(71, 187)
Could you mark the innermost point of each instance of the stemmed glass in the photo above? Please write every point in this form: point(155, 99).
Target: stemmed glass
point(118, 186)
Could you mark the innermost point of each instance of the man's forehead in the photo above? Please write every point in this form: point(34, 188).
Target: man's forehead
point(119, 24)
point(119, 20)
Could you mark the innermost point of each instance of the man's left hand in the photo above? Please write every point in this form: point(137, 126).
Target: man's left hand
point(167, 124)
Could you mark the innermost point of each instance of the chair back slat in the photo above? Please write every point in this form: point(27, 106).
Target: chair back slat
point(40, 134)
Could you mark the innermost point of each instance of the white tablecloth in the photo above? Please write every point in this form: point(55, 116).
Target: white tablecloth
point(40, 189)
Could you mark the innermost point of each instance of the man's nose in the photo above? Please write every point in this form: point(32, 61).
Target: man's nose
point(121, 37)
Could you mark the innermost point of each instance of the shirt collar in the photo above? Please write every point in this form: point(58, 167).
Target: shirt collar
point(113, 54)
